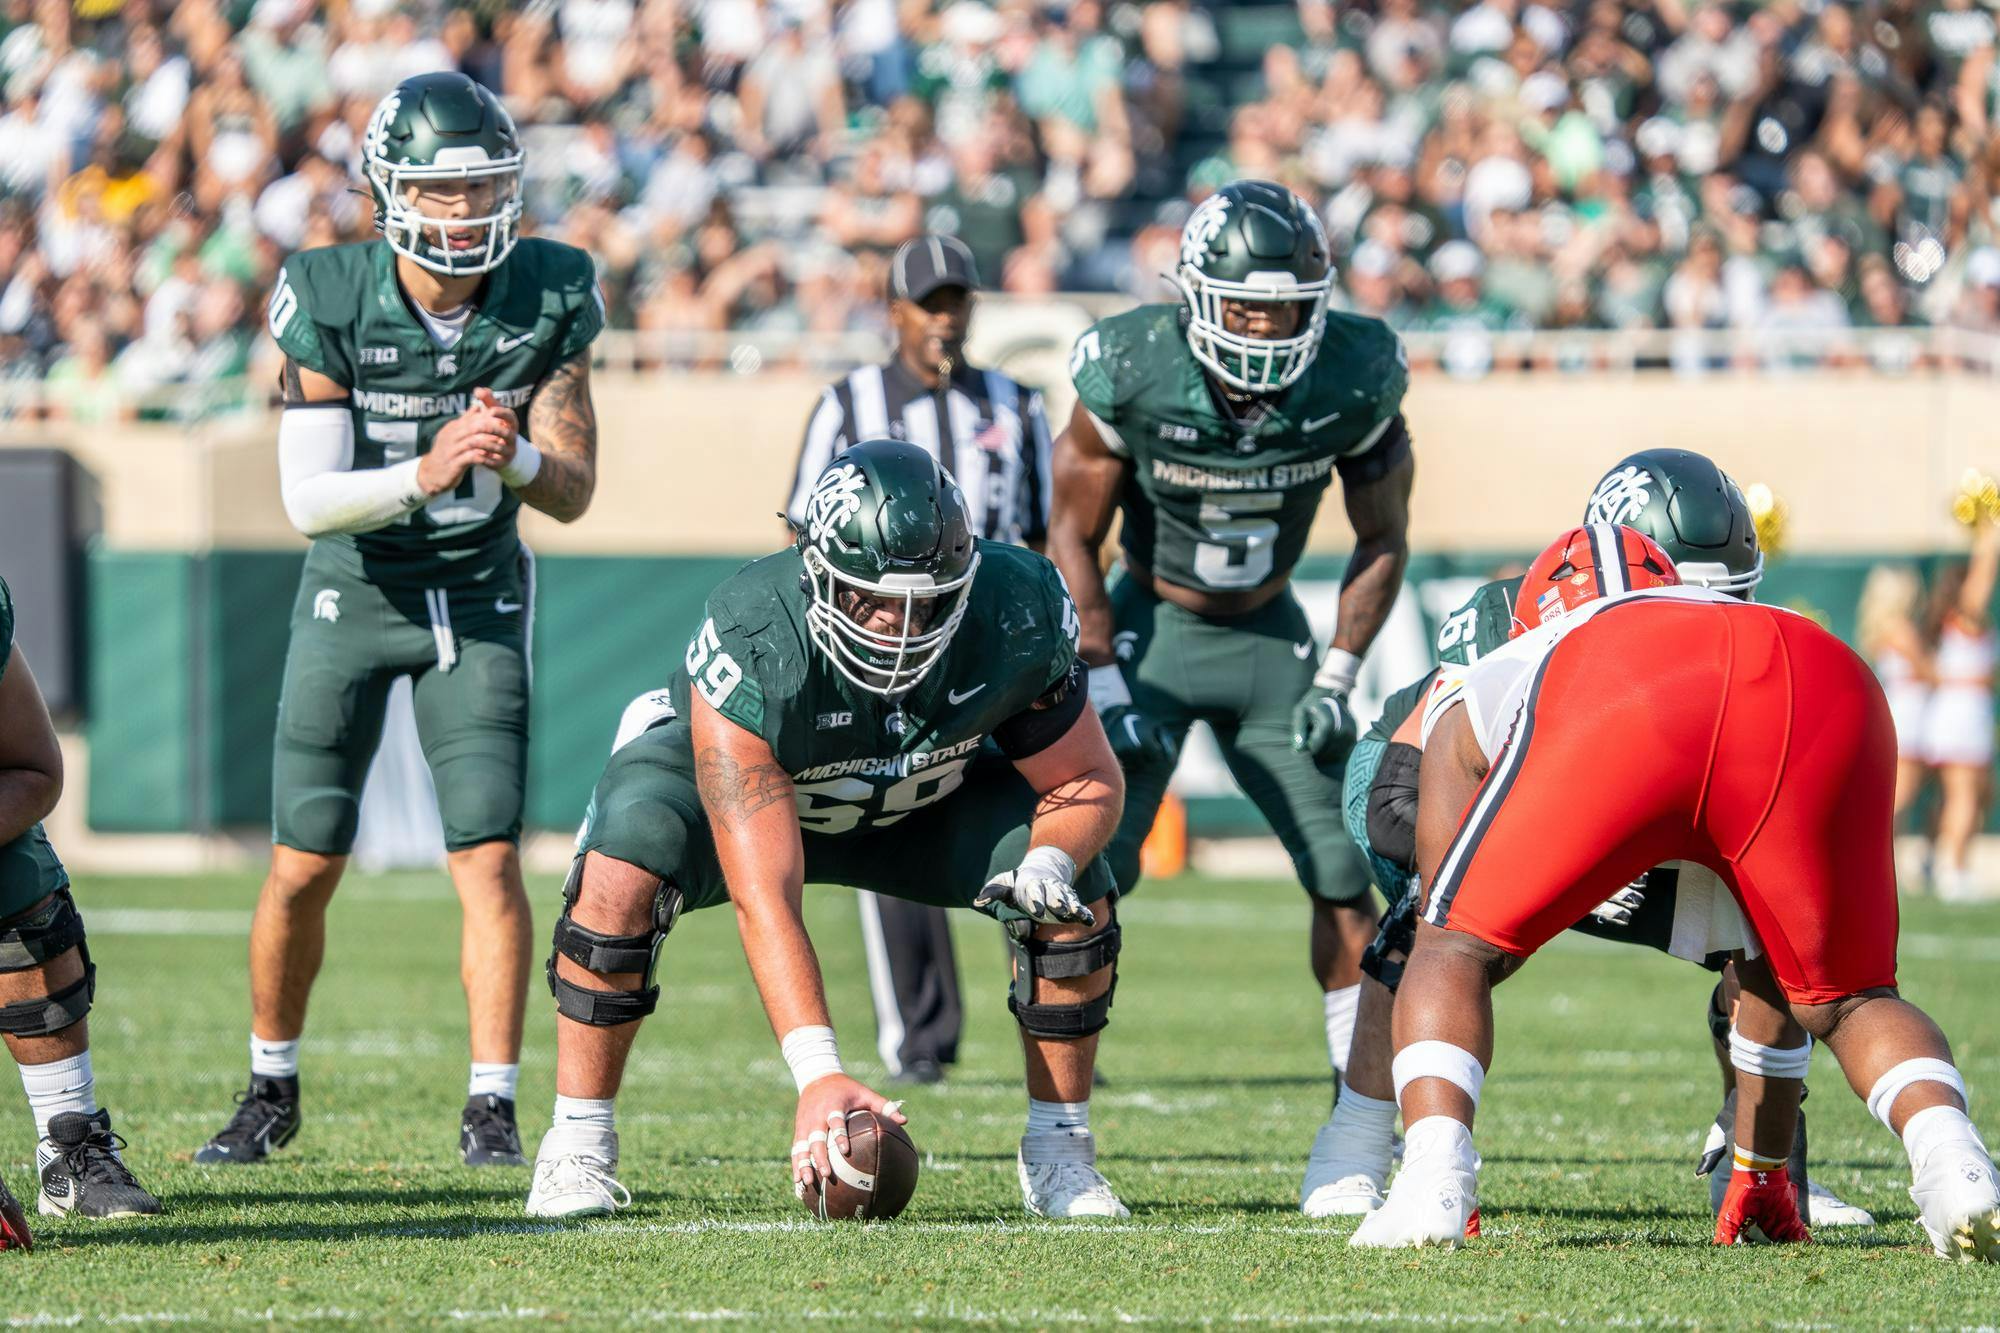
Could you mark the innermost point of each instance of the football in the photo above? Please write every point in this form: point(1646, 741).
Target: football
point(875, 1179)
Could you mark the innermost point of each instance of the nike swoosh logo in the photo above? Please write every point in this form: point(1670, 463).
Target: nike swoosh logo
point(505, 607)
point(958, 698)
point(1309, 427)
point(509, 344)
point(1302, 650)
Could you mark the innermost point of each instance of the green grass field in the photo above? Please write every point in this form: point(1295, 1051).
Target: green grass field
point(1589, 1128)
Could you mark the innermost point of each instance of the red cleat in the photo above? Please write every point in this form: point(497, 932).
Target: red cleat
point(1760, 1208)
point(13, 1222)
point(1472, 1225)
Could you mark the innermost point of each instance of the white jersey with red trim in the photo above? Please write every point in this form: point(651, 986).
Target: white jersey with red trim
point(1494, 688)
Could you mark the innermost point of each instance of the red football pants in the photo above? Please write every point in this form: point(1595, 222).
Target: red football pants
point(1741, 737)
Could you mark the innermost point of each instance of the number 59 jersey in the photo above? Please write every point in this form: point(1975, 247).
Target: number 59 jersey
point(341, 311)
point(1215, 501)
point(857, 761)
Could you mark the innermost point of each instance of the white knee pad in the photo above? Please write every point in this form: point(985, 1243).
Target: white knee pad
point(1769, 1061)
point(1927, 1070)
point(1438, 1059)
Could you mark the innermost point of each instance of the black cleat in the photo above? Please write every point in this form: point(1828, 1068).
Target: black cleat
point(266, 1119)
point(13, 1222)
point(82, 1174)
point(487, 1134)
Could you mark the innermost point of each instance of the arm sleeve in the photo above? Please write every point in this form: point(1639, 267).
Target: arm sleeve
point(1380, 453)
point(1392, 805)
point(1049, 718)
point(322, 491)
point(826, 435)
point(1037, 470)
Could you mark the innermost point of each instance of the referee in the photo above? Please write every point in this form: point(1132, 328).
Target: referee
point(992, 437)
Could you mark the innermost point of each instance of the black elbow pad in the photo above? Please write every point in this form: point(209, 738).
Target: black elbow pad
point(1392, 805)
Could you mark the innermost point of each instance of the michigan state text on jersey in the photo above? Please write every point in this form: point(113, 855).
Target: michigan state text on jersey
point(435, 380)
point(892, 704)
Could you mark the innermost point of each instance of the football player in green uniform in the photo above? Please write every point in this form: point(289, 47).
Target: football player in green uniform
point(826, 725)
point(1214, 427)
point(1698, 516)
point(46, 976)
point(435, 380)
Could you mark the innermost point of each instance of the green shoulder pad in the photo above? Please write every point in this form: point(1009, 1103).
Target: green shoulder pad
point(1363, 353)
point(1117, 357)
point(313, 307)
point(1484, 623)
point(567, 279)
point(1060, 649)
point(716, 665)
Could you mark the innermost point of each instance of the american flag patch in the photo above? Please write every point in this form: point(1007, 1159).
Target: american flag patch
point(1549, 606)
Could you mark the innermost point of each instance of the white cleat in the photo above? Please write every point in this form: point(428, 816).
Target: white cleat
point(1830, 1210)
point(1958, 1202)
point(1062, 1180)
point(1435, 1200)
point(572, 1180)
point(1339, 1184)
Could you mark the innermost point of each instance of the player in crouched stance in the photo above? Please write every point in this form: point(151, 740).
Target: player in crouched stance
point(827, 724)
point(1769, 757)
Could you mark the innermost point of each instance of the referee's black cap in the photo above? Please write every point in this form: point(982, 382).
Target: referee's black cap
point(924, 265)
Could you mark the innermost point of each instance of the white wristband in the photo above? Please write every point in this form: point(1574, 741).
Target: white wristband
point(812, 1053)
point(1049, 862)
point(1337, 670)
point(526, 463)
point(1108, 689)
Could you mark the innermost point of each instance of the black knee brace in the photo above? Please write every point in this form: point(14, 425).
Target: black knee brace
point(1396, 934)
point(31, 939)
point(1060, 960)
point(1718, 1015)
point(609, 953)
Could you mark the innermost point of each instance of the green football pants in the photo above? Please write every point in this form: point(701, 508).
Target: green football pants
point(1242, 677)
point(466, 649)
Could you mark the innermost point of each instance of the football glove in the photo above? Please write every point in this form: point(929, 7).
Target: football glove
point(1622, 906)
point(1323, 724)
point(1761, 1207)
point(1038, 890)
point(1137, 740)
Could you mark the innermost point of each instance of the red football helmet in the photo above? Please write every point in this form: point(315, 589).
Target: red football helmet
point(1584, 564)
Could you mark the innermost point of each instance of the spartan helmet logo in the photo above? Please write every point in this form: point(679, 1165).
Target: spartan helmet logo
point(376, 142)
point(1621, 497)
point(835, 500)
point(1203, 226)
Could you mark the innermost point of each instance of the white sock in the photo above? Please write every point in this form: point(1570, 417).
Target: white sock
point(1341, 1005)
point(1365, 1126)
point(1070, 1119)
point(584, 1119)
point(273, 1059)
point(58, 1086)
point(493, 1080)
point(1931, 1128)
point(1436, 1134)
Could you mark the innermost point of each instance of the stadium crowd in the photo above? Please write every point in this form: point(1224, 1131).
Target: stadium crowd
point(1784, 169)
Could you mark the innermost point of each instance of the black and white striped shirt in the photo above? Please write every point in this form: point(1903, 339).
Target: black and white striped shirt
point(989, 432)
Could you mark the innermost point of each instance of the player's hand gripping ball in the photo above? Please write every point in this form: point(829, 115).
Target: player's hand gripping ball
point(873, 1179)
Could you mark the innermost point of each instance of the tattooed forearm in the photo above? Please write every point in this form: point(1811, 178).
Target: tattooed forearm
point(562, 422)
point(733, 791)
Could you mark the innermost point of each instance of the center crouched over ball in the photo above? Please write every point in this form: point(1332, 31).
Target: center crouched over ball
point(874, 1180)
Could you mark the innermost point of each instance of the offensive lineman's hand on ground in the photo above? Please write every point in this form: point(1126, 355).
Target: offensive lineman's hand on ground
point(822, 1121)
point(1622, 906)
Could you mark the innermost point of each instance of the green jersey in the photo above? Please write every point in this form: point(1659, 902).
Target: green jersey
point(1215, 500)
point(30, 870)
point(341, 311)
point(858, 761)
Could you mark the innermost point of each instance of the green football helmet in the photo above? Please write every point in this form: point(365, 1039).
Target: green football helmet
point(1688, 505)
point(886, 536)
point(443, 127)
point(1254, 241)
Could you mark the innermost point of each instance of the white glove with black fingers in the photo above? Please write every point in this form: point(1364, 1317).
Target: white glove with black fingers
point(1622, 906)
point(1039, 889)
